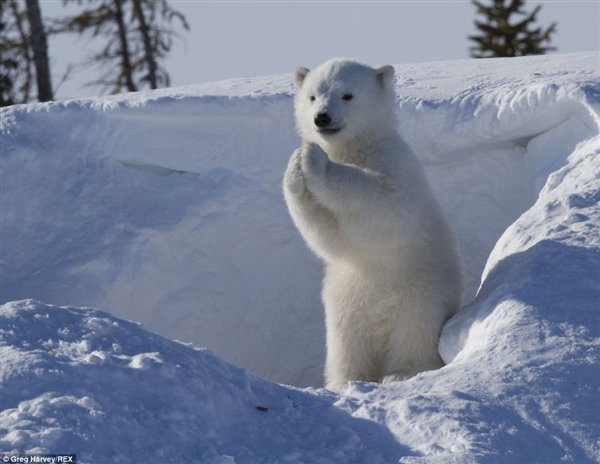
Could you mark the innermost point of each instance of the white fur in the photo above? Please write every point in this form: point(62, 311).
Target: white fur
point(361, 201)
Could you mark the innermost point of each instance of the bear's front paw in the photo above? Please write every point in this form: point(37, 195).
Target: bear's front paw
point(294, 179)
point(314, 161)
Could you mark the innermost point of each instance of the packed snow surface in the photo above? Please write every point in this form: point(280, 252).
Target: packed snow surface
point(165, 208)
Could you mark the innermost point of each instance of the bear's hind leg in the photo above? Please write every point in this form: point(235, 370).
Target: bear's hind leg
point(349, 358)
point(413, 343)
point(401, 375)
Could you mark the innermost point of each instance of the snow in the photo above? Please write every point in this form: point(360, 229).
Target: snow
point(110, 391)
point(165, 208)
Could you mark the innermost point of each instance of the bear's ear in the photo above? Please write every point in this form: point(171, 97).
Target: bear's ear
point(299, 74)
point(385, 75)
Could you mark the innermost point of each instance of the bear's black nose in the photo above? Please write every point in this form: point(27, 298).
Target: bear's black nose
point(322, 120)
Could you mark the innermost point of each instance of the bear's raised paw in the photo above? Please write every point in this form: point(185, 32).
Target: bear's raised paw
point(314, 161)
point(294, 179)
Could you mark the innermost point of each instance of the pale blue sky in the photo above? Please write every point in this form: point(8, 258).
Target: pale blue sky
point(249, 38)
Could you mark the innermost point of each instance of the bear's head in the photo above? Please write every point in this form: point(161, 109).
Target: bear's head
point(344, 99)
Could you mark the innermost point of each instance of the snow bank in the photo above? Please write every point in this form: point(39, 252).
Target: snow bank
point(84, 382)
point(165, 208)
point(169, 213)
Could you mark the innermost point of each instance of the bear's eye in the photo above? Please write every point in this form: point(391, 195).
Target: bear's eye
point(347, 96)
point(312, 98)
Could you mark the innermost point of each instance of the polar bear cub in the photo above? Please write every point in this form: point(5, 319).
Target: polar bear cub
point(360, 199)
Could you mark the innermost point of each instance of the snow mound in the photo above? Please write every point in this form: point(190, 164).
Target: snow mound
point(109, 391)
point(170, 214)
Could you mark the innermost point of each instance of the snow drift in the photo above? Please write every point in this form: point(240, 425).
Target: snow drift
point(165, 208)
point(110, 391)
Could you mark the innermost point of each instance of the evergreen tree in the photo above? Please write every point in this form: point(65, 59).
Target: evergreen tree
point(39, 47)
point(153, 18)
point(15, 62)
point(138, 35)
point(104, 19)
point(502, 38)
point(17, 73)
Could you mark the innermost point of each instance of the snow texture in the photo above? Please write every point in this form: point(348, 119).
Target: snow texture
point(165, 208)
point(109, 391)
